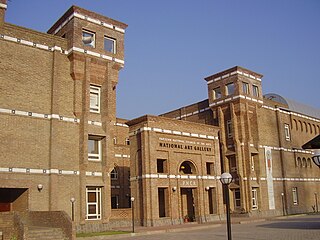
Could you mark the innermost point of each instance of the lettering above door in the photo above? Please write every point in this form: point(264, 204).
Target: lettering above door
point(189, 183)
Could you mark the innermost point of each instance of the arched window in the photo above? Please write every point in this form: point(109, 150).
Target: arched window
point(304, 162)
point(305, 126)
point(187, 167)
point(301, 127)
point(314, 129)
point(295, 124)
point(309, 162)
point(114, 174)
point(298, 162)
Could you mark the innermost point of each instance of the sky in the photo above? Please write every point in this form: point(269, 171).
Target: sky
point(172, 45)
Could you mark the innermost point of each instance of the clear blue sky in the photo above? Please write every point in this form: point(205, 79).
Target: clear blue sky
point(171, 45)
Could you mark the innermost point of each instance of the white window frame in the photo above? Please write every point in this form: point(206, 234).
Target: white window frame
point(295, 196)
point(95, 91)
point(97, 204)
point(229, 128)
point(97, 157)
point(254, 193)
point(255, 90)
point(245, 88)
point(237, 201)
point(252, 162)
point(93, 42)
point(114, 174)
point(215, 95)
point(228, 90)
point(287, 131)
point(114, 50)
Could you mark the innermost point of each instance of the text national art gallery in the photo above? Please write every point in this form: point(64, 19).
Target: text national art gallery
point(67, 158)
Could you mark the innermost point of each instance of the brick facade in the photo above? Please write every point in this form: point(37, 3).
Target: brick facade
point(58, 128)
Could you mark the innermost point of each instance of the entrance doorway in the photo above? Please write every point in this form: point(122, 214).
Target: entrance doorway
point(187, 204)
point(13, 199)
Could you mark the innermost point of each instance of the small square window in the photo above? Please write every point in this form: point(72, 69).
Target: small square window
point(88, 38)
point(127, 141)
point(255, 90)
point(110, 45)
point(230, 88)
point(161, 166)
point(210, 170)
point(217, 93)
point(94, 148)
point(94, 99)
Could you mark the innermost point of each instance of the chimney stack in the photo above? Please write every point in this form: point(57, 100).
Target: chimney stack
point(3, 8)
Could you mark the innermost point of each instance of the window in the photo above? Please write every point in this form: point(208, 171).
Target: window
point(230, 88)
point(94, 148)
point(210, 170)
point(245, 88)
point(88, 38)
point(110, 45)
point(229, 129)
point(212, 198)
point(115, 202)
point(161, 166)
point(217, 93)
point(94, 99)
point(254, 198)
point(93, 199)
point(127, 141)
point(114, 174)
point(252, 162)
point(255, 90)
point(237, 199)
point(295, 195)
point(162, 201)
point(287, 132)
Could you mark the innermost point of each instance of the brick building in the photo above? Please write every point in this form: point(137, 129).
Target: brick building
point(61, 139)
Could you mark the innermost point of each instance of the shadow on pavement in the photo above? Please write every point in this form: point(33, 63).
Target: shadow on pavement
point(311, 223)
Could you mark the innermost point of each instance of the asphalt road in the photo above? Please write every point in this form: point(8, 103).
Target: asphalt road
point(292, 228)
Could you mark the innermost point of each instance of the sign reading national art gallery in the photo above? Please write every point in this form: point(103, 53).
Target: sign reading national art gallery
point(185, 147)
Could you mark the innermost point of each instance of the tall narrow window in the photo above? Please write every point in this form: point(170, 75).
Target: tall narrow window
point(88, 38)
point(217, 93)
point(94, 99)
point(237, 198)
point(287, 131)
point(93, 199)
point(230, 88)
point(252, 162)
point(229, 128)
point(254, 198)
point(212, 199)
point(295, 195)
point(115, 202)
point(162, 192)
point(110, 45)
point(245, 88)
point(94, 148)
point(255, 90)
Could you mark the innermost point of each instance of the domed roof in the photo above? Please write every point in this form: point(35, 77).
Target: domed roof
point(294, 106)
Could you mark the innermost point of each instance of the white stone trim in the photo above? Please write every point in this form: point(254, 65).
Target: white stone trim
point(39, 115)
point(121, 125)
point(170, 176)
point(4, 6)
point(122, 156)
point(95, 123)
point(59, 49)
point(233, 73)
point(291, 113)
point(285, 149)
point(173, 132)
point(289, 179)
point(89, 19)
point(234, 98)
point(39, 171)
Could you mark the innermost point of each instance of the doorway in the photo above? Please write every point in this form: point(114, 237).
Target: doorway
point(187, 204)
point(13, 199)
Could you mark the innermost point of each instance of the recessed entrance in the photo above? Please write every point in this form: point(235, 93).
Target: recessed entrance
point(13, 199)
point(187, 204)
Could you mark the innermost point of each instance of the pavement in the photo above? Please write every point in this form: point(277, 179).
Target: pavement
point(192, 226)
